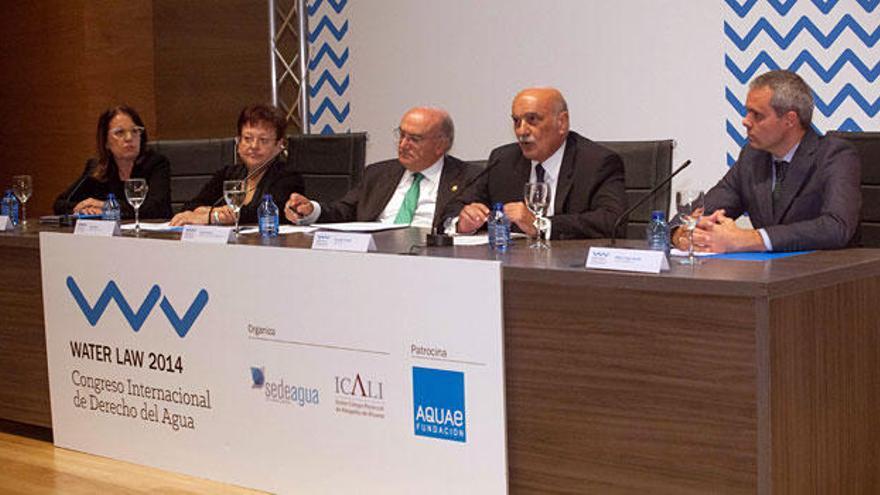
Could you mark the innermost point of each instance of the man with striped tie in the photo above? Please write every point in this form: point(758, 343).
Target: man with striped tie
point(402, 191)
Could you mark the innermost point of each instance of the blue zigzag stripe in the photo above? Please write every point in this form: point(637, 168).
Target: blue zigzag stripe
point(327, 130)
point(802, 24)
point(763, 58)
point(327, 77)
point(783, 7)
point(326, 23)
point(327, 51)
point(326, 105)
point(827, 109)
point(182, 325)
point(111, 291)
point(337, 6)
point(850, 125)
point(738, 138)
point(730, 160)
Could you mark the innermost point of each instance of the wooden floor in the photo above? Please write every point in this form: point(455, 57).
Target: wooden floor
point(30, 464)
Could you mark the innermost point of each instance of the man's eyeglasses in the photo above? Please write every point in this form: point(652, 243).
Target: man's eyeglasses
point(400, 135)
point(122, 134)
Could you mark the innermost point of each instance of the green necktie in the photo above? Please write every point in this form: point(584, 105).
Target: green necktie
point(410, 201)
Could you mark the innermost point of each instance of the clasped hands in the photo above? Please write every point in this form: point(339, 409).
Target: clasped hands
point(718, 233)
point(220, 215)
point(474, 215)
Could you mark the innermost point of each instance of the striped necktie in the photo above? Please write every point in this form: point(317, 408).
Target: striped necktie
point(410, 201)
point(781, 167)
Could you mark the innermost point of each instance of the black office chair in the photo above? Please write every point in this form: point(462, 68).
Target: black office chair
point(868, 145)
point(193, 162)
point(330, 165)
point(645, 163)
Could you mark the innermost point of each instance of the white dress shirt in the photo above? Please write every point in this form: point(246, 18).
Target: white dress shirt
point(428, 187)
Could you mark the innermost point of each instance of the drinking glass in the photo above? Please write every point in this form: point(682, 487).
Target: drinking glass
point(23, 187)
point(234, 194)
point(537, 197)
point(689, 204)
point(135, 192)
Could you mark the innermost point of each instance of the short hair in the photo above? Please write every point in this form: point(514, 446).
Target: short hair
point(447, 128)
point(106, 162)
point(790, 94)
point(260, 114)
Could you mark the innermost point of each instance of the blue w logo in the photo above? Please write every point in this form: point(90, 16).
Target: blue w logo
point(136, 319)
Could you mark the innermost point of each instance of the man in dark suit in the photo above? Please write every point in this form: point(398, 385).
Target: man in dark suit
point(801, 191)
point(402, 191)
point(586, 180)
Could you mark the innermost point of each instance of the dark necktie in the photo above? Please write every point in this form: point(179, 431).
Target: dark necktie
point(781, 168)
point(539, 173)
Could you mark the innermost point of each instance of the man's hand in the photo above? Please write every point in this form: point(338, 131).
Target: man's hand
point(298, 207)
point(520, 215)
point(89, 206)
point(472, 217)
point(719, 233)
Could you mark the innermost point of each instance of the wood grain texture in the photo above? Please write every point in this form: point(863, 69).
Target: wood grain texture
point(622, 391)
point(825, 362)
point(24, 396)
point(32, 466)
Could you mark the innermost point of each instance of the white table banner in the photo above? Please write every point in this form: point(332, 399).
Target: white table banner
point(288, 370)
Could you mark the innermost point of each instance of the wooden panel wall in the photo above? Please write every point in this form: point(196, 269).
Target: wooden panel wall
point(187, 67)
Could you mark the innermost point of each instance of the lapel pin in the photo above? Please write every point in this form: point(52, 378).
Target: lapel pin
point(454, 187)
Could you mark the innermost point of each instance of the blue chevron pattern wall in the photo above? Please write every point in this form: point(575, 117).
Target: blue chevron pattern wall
point(329, 75)
point(832, 44)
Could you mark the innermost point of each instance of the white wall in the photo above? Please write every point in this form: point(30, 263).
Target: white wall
point(630, 69)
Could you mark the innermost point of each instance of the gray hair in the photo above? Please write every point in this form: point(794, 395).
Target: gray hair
point(790, 94)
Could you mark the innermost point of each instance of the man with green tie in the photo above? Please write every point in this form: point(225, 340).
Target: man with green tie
point(402, 191)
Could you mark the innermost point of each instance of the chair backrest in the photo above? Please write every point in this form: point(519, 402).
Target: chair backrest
point(330, 165)
point(645, 164)
point(868, 145)
point(193, 162)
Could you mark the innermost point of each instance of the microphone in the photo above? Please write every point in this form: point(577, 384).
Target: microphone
point(439, 237)
point(644, 198)
point(65, 219)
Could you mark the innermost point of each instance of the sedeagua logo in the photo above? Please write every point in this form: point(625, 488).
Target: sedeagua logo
point(283, 393)
point(181, 324)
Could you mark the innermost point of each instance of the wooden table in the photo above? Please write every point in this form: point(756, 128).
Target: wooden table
point(728, 377)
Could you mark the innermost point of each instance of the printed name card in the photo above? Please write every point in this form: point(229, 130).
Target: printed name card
point(5, 224)
point(627, 260)
point(210, 234)
point(343, 241)
point(97, 228)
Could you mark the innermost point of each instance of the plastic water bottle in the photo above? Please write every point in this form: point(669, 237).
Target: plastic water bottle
point(499, 229)
point(268, 217)
point(658, 232)
point(9, 207)
point(111, 209)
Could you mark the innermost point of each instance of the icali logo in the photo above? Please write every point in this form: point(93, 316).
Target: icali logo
point(438, 404)
point(137, 318)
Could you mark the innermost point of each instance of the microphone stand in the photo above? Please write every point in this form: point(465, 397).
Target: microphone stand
point(644, 198)
point(439, 237)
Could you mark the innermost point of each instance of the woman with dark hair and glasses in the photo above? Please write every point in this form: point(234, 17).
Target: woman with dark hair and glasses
point(121, 145)
point(263, 169)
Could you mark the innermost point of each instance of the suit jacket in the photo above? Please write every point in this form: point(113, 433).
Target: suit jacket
point(589, 193)
point(280, 180)
point(151, 166)
point(368, 199)
point(820, 198)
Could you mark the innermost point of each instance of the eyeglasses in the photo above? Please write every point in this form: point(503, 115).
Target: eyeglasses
point(400, 135)
point(261, 142)
point(122, 134)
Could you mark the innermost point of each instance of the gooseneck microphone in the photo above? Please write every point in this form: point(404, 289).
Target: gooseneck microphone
point(249, 175)
point(439, 237)
point(644, 198)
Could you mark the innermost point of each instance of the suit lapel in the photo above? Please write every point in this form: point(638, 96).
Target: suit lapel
point(566, 176)
point(800, 168)
point(763, 191)
point(383, 189)
point(450, 181)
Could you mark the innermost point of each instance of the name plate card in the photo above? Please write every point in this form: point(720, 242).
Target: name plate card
point(97, 228)
point(627, 260)
point(209, 234)
point(344, 241)
point(5, 224)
